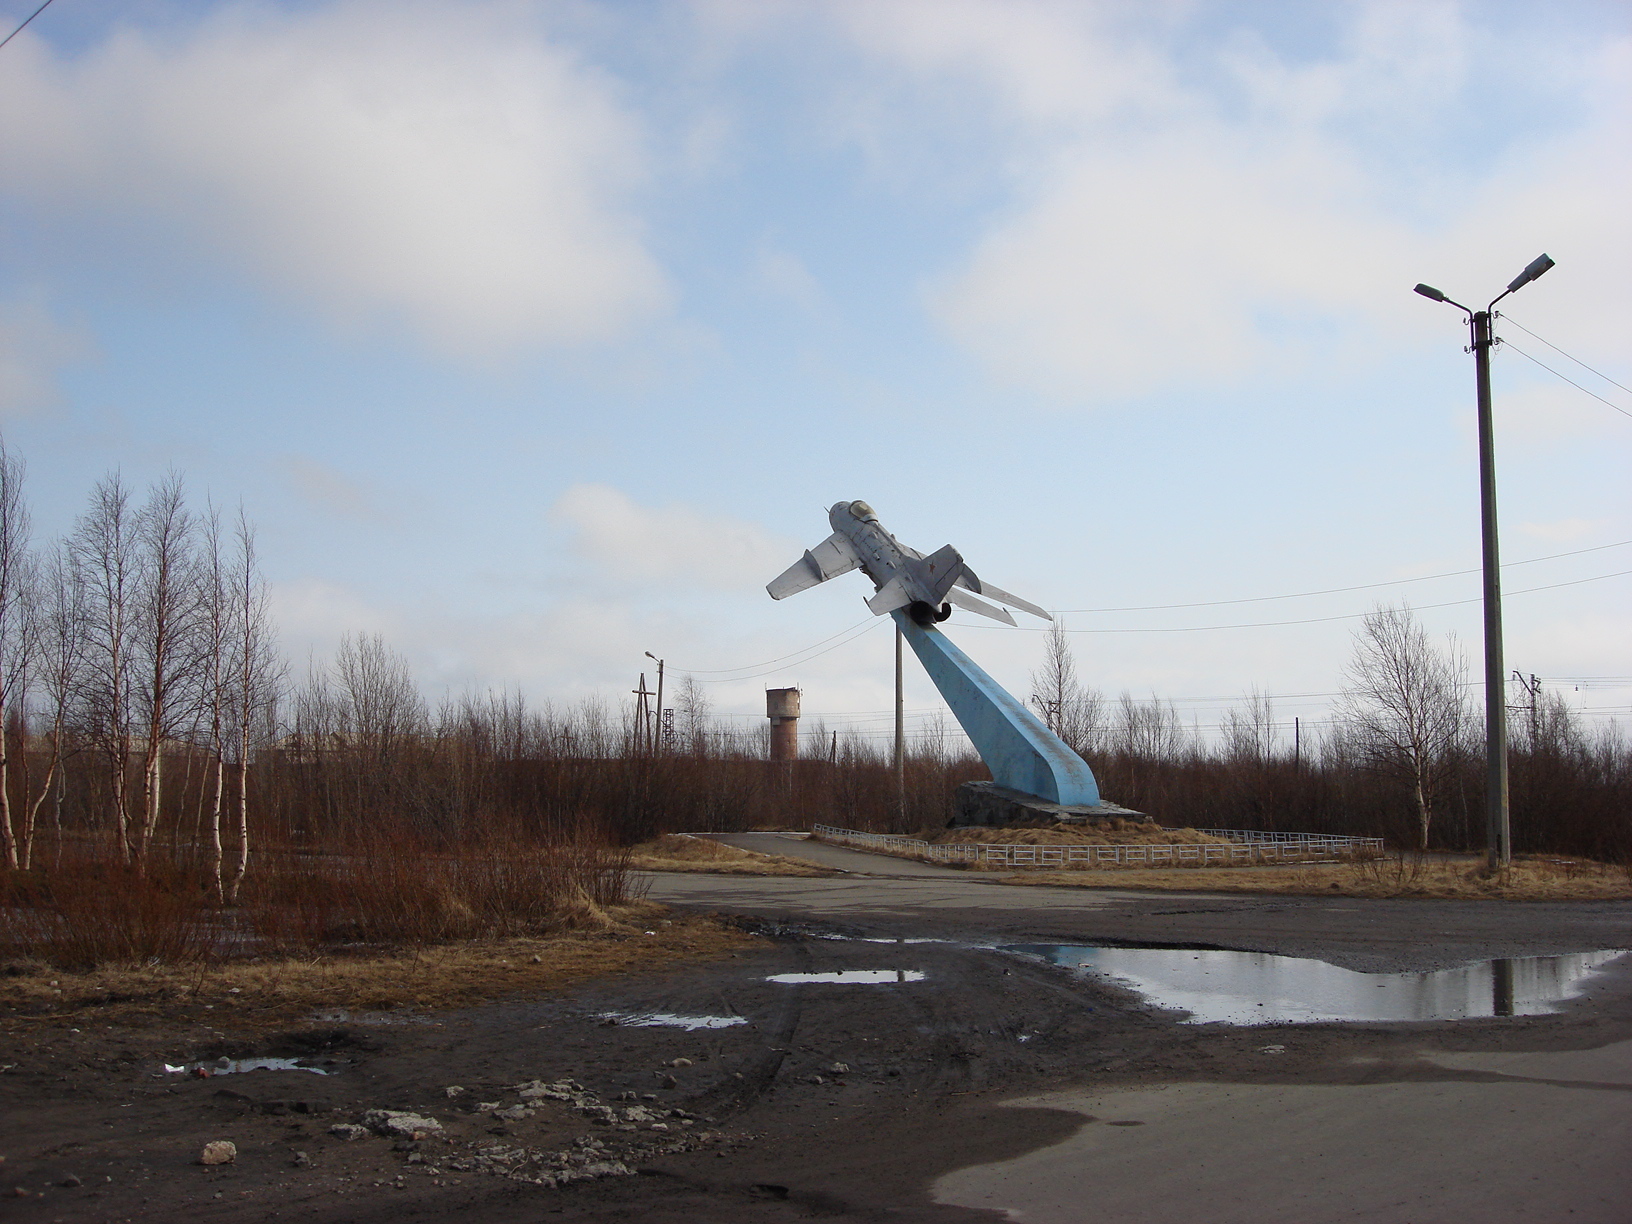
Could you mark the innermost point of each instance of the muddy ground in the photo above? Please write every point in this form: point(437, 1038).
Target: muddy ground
point(833, 1102)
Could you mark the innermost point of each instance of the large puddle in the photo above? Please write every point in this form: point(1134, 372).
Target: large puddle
point(856, 977)
point(1257, 988)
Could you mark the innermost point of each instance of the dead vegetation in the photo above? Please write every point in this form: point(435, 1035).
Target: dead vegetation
point(398, 983)
point(683, 852)
point(1537, 878)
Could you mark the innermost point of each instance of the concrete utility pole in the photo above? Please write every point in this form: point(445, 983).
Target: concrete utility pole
point(1498, 833)
point(900, 734)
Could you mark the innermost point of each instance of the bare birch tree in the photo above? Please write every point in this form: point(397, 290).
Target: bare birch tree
point(16, 641)
point(59, 615)
point(104, 548)
point(692, 709)
point(166, 639)
point(1405, 706)
point(257, 674)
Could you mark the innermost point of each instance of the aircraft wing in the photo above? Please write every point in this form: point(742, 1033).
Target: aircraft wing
point(969, 580)
point(832, 557)
point(970, 604)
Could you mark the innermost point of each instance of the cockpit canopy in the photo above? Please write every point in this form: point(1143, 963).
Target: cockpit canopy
point(863, 511)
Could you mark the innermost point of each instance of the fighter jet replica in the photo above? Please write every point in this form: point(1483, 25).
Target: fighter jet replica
point(927, 587)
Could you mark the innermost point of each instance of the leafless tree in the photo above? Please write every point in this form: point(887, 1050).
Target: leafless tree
point(104, 548)
point(1250, 734)
point(17, 641)
point(258, 679)
point(693, 712)
point(61, 622)
point(1405, 707)
point(1148, 731)
point(1072, 710)
point(167, 623)
point(1054, 683)
point(215, 682)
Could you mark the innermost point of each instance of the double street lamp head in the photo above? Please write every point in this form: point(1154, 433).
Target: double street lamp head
point(1532, 270)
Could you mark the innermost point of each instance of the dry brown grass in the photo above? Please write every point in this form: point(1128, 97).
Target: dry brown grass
point(1116, 832)
point(1528, 879)
point(681, 852)
point(244, 995)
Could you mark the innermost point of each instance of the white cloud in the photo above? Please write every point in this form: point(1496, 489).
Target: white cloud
point(677, 545)
point(1180, 222)
point(34, 348)
point(313, 615)
point(450, 166)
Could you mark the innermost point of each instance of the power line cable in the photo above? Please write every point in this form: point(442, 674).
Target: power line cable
point(36, 13)
point(1562, 353)
point(1566, 378)
point(866, 627)
point(773, 664)
point(1314, 620)
point(1365, 586)
point(714, 671)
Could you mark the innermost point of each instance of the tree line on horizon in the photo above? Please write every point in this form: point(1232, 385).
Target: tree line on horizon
point(150, 718)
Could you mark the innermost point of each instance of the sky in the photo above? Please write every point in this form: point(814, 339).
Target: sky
point(537, 336)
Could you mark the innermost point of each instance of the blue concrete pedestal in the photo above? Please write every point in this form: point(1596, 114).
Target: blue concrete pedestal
point(1019, 749)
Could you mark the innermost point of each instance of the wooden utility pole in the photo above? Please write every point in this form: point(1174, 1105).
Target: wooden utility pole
point(643, 727)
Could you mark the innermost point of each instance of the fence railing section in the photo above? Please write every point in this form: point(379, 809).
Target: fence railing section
point(1241, 847)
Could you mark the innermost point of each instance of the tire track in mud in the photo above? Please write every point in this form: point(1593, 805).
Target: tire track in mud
point(745, 1087)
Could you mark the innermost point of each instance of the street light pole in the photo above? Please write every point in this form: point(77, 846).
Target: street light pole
point(1498, 831)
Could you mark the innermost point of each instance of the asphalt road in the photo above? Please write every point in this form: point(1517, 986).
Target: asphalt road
point(1528, 1121)
point(920, 899)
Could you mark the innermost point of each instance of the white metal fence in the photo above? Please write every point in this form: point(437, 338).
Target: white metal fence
point(1242, 847)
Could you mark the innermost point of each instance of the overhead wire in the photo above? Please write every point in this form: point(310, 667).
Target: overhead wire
point(1313, 620)
point(1365, 586)
point(1566, 378)
point(706, 671)
point(1562, 353)
point(775, 664)
point(865, 628)
point(26, 20)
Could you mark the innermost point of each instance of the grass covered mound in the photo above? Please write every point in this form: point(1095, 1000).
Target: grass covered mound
point(1114, 832)
point(1532, 878)
point(683, 852)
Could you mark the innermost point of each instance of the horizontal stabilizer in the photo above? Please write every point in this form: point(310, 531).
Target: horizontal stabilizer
point(970, 604)
point(832, 557)
point(991, 592)
point(891, 595)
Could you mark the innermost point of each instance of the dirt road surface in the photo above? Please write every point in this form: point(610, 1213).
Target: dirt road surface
point(992, 1083)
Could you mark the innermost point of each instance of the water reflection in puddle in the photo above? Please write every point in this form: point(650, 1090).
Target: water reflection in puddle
point(1257, 988)
point(861, 977)
point(669, 1020)
point(237, 1066)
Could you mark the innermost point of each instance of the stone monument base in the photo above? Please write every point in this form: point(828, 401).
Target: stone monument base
point(987, 803)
